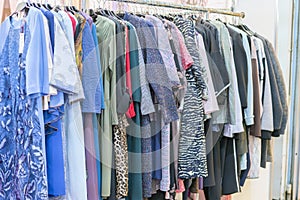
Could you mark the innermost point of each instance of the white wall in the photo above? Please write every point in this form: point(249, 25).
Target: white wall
point(219, 4)
point(262, 17)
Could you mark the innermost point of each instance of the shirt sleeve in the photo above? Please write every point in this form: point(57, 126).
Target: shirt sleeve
point(267, 115)
point(37, 79)
point(65, 74)
point(134, 66)
point(130, 112)
point(112, 66)
point(90, 74)
point(186, 58)
point(249, 111)
point(99, 66)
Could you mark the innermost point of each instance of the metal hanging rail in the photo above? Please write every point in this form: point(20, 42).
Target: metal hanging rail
point(182, 7)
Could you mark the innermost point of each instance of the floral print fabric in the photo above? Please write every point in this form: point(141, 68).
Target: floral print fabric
point(22, 165)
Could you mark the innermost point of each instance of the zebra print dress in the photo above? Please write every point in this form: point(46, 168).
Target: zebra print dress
point(192, 148)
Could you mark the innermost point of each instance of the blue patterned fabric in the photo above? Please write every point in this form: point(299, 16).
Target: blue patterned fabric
point(157, 76)
point(156, 71)
point(22, 165)
point(90, 73)
point(146, 156)
point(192, 147)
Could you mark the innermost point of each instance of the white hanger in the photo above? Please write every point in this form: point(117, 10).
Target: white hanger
point(21, 5)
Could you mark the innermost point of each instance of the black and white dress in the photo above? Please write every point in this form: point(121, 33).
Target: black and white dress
point(192, 148)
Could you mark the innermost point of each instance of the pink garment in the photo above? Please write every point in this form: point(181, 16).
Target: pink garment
point(186, 58)
point(181, 187)
point(73, 22)
point(90, 154)
point(193, 196)
point(201, 195)
point(226, 197)
point(130, 112)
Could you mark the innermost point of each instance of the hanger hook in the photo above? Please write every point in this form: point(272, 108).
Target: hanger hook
point(207, 15)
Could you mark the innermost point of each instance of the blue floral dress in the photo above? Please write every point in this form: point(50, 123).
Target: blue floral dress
point(22, 165)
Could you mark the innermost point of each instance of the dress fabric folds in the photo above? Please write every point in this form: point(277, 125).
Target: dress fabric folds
point(192, 151)
point(22, 167)
point(102, 105)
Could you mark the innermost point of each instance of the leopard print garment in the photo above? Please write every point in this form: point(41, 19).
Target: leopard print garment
point(121, 157)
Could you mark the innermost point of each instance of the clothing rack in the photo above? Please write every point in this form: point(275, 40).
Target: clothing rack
point(182, 7)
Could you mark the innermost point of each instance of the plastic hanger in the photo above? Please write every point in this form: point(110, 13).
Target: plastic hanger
point(193, 17)
point(246, 29)
point(74, 9)
point(44, 6)
point(109, 12)
point(116, 16)
point(92, 13)
point(100, 11)
point(69, 9)
point(21, 7)
point(169, 17)
point(35, 5)
point(48, 6)
point(39, 5)
point(57, 8)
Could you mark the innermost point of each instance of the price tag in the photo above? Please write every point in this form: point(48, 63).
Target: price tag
point(21, 42)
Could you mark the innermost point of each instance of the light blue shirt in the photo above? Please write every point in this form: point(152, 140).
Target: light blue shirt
point(98, 64)
point(90, 73)
point(66, 73)
point(37, 78)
